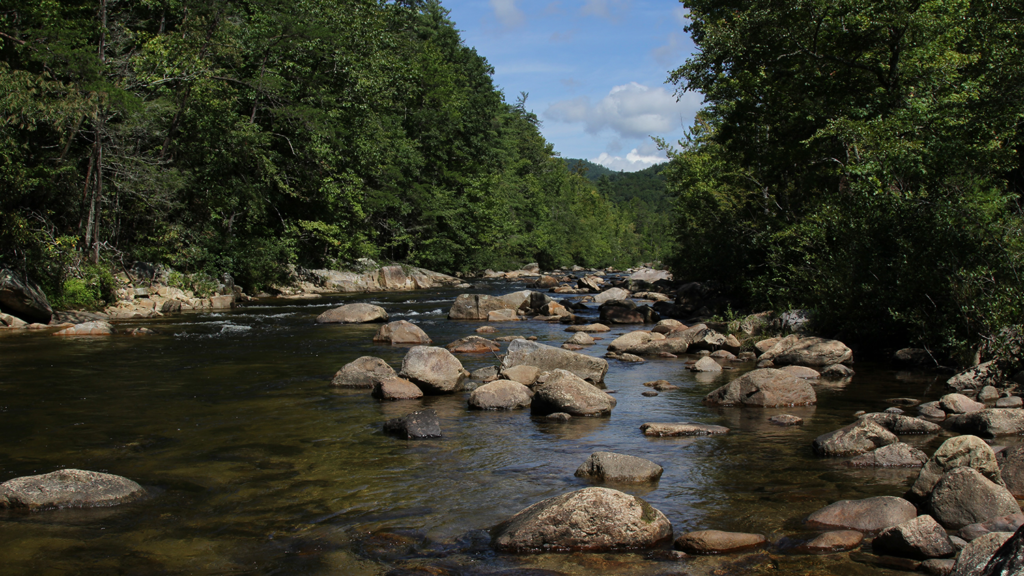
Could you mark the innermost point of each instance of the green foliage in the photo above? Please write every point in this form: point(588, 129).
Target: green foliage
point(861, 159)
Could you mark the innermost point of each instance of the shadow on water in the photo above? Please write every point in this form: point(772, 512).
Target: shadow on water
point(254, 464)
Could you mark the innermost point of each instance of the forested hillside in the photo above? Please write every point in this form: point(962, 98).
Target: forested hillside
point(243, 137)
point(862, 159)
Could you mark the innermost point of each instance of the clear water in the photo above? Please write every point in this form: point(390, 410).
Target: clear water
point(254, 464)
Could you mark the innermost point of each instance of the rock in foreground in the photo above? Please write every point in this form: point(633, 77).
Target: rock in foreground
point(765, 387)
point(588, 520)
point(68, 488)
point(619, 468)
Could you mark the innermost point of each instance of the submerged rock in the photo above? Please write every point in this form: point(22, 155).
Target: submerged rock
point(68, 488)
point(363, 372)
point(421, 424)
point(706, 542)
point(765, 387)
point(358, 313)
point(663, 429)
point(619, 468)
point(589, 520)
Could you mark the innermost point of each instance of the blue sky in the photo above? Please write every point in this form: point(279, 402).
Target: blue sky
point(595, 70)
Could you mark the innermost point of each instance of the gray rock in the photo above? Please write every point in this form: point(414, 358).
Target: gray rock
point(990, 422)
point(363, 372)
point(589, 328)
point(786, 420)
point(634, 342)
point(959, 404)
point(711, 542)
point(611, 294)
point(619, 468)
point(435, 370)
point(68, 488)
point(473, 345)
point(919, 538)
point(931, 410)
point(23, 298)
point(969, 451)
point(976, 377)
point(524, 374)
point(477, 306)
point(401, 332)
point(1008, 559)
point(1010, 402)
point(590, 520)
point(662, 429)
point(867, 515)
point(1009, 523)
point(358, 313)
point(547, 358)
point(898, 455)
point(765, 387)
point(396, 389)
point(862, 436)
point(988, 393)
point(918, 357)
point(563, 391)
point(808, 351)
point(500, 395)
point(486, 373)
point(976, 555)
point(900, 424)
point(938, 566)
point(963, 496)
point(706, 364)
point(581, 339)
point(415, 426)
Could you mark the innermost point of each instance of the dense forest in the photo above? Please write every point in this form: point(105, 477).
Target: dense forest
point(244, 136)
point(864, 160)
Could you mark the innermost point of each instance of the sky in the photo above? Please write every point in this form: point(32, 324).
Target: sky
point(595, 70)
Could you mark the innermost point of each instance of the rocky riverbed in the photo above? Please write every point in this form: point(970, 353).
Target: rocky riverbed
point(267, 441)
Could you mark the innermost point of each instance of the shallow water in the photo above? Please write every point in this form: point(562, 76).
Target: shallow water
point(254, 464)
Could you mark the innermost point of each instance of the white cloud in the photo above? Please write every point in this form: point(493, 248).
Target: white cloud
point(603, 8)
point(631, 110)
point(507, 13)
point(636, 159)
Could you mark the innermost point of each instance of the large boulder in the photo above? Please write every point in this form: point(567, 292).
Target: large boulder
point(857, 438)
point(957, 452)
point(1008, 559)
point(808, 351)
point(766, 387)
point(68, 488)
point(94, 328)
point(990, 422)
point(626, 312)
point(612, 294)
point(900, 424)
point(590, 520)
point(898, 455)
point(363, 372)
point(959, 404)
point(23, 298)
point(976, 377)
point(619, 468)
point(401, 332)
point(415, 426)
point(433, 369)
point(500, 395)
point(919, 538)
point(963, 496)
point(974, 558)
point(710, 542)
point(867, 515)
point(563, 391)
point(477, 306)
point(547, 358)
point(358, 313)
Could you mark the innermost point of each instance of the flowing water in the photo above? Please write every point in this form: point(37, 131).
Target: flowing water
point(254, 464)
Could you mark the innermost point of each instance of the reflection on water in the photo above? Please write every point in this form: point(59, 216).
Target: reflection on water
point(254, 464)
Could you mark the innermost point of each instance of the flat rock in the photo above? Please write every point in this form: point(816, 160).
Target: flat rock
point(786, 420)
point(401, 332)
point(415, 426)
point(611, 294)
point(68, 488)
point(396, 389)
point(765, 387)
point(919, 538)
point(1008, 402)
point(963, 496)
point(589, 328)
point(590, 520)
point(358, 313)
point(663, 429)
point(1009, 523)
point(563, 391)
point(363, 372)
point(956, 452)
point(473, 345)
point(433, 369)
point(547, 358)
point(900, 424)
point(990, 422)
point(868, 515)
point(504, 315)
point(661, 385)
point(709, 542)
point(857, 438)
point(500, 395)
point(831, 542)
point(808, 351)
point(898, 455)
point(706, 364)
point(802, 372)
point(619, 468)
point(634, 341)
point(486, 330)
point(973, 559)
point(959, 404)
point(94, 328)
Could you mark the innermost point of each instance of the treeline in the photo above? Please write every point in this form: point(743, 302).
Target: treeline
point(862, 159)
point(242, 136)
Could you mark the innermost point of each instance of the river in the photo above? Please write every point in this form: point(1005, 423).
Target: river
point(255, 465)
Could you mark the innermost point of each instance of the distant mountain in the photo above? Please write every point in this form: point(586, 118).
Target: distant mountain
point(647, 185)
